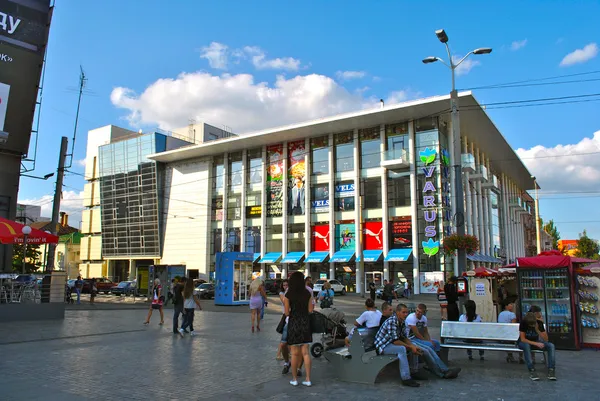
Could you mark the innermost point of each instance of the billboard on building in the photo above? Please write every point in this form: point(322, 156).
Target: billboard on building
point(345, 237)
point(373, 235)
point(24, 26)
point(274, 180)
point(401, 232)
point(320, 200)
point(320, 238)
point(296, 177)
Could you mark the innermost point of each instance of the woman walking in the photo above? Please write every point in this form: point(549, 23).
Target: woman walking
point(190, 301)
point(452, 299)
point(157, 302)
point(257, 297)
point(441, 296)
point(282, 351)
point(471, 316)
point(298, 305)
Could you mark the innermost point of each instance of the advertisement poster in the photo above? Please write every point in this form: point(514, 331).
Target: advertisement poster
point(480, 289)
point(217, 208)
point(4, 91)
point(320, 238)
point(296, 178)
point(320, 198)
point(274, 180)
point(345, 237)
point(344, 194)
point(431, 281)
point(401, 232)
point(253, 211)
point(373, 236)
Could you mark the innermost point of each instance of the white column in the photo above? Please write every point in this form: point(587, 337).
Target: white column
point(224, 233)
point(263, 211)
point(469, 206)
point(490, 214)
point(132, 272)
point(475, 218)
point(244, 227)
point(514, 222)
point(484, 205)
point(332, 238)
point(505, 219)
point(358, 214)
point(307, 194)
point(480, 212)
point(384, 205)
point(414, 202)
point(284, 223)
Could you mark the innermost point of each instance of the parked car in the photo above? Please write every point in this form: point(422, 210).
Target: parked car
point(336, 286)
point(398, 289)
point(272, 286)
point(205, 291)
point(123, 288)
point(102, 284)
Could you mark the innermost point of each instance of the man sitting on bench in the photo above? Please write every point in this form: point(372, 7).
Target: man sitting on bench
point(417, 329)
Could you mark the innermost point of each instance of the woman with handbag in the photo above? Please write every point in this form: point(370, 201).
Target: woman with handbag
point(157, 302)
point(298, 306)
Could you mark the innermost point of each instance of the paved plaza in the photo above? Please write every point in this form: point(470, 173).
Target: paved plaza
point(108, 354)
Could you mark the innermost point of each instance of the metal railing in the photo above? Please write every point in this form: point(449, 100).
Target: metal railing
point(33, 289)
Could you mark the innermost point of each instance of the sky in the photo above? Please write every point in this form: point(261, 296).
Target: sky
point(253, 65)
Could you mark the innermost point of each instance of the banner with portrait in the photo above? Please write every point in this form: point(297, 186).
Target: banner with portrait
point(296, 177)
point(345, 237)
point(274, 180)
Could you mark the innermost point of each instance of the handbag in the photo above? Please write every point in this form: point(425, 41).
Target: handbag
point(281, 324)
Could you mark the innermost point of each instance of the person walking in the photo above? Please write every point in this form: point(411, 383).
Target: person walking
point(298, 306)
point(178, 303)
point(78, 287)
point(190, 302)
point(452, 298)
point(325, 296)
point(441, 296)
point(157, 302)
point(472, 316)
point(93, 291)
point(372, 290)
point(257, 296)
point(282, 350)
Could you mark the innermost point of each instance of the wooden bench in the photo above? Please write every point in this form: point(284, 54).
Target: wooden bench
point(359, 363)
point(480, 336)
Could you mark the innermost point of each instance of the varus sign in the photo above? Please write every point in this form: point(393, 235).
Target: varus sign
point(432, 246)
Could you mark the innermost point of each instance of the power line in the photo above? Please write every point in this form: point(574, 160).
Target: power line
point(532, 80)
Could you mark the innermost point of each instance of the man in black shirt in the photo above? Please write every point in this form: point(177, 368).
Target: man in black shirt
point(452, 298)
point(533, 336)
point(178, 304)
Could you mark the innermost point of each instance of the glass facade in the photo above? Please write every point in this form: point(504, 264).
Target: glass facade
point(344, 152)
point(398, 189)
point(370, 148)
point(129, 197)
point(396, 140)
point(371, 188)
point(319, 155)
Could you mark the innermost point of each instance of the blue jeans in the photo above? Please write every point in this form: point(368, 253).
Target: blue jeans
point(548, 347)
point(422, 343)
point(78, 291)
point(188, 319)
point(432, 359)
point(284, 334)
point(177, 310)
point(400, 351)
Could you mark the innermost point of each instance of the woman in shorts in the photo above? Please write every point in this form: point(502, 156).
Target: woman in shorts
point(157, 302)
point(441, 295)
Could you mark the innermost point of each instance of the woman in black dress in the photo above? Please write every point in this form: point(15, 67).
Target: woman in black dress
point(298, 305)
point(452, 299)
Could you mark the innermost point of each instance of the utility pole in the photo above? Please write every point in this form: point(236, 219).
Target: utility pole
point(538, 239)
point(55, 211)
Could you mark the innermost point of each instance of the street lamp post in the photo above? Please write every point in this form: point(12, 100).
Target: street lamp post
point(26, 230)
point(456, 148)
point(538, 240)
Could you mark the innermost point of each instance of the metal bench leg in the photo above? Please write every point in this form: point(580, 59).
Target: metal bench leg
point(444, 355)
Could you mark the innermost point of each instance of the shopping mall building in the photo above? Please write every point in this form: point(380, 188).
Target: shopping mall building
point(357, 197)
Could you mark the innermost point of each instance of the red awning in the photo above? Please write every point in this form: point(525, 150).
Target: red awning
point(482, 272)
point(550, 260)
point(11, 233)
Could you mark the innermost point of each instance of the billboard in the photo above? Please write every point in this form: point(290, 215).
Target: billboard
point(24, 28)
point(296, 177)
point(345, 237)
point(401, 232)
point(320, 238)
point(274, 180)
point(373, 236)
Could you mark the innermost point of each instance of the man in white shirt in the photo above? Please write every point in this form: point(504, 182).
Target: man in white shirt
point(417, 332)
point(369, 318)
point(508, 316)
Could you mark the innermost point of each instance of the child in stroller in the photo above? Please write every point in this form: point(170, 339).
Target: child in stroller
point(331, 325)
point(68, 294)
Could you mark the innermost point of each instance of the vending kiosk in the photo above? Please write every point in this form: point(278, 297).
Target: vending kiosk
point(233, 274)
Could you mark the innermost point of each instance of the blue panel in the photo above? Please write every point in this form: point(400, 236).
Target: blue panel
point(371, 256)
point(256, 256)
point(317, 257)
point(293, 257)
point(342, 256)
point(398, 255)
point(272, 257)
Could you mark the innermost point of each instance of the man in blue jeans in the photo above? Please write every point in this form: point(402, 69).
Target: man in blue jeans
point(417, 330)
point(533, 336)
point(178, 304)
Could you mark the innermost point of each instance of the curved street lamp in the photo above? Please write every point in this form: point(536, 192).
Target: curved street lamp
point(26, 230)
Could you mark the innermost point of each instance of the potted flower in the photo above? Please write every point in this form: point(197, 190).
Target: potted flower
point(453, 242)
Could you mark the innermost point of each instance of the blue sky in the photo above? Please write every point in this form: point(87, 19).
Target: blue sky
point(285, 63)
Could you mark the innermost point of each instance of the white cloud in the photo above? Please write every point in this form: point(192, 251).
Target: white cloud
point(348, 75)
point(518, 44)
point(563, 168)
point(465, 66)
point(238, 101)
point(71, 203)
point(80, 162)
point(216, 53)
point(260, 60)
point(588, 52)
point(376, 79)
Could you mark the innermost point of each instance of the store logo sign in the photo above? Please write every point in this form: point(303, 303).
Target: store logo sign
point(430, 247)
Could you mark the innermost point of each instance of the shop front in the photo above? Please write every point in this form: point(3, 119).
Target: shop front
point(319, 266)
point(294, 261)
point(273, 266)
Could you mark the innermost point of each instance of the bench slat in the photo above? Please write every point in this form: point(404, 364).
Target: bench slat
point(480, 331)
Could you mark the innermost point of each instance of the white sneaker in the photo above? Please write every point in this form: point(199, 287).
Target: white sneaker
point(307, 384)
point(182, 332)
point(193, 333)
point(294, 382)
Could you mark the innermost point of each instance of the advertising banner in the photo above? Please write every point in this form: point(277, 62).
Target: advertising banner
point(253, 211)
point(345, 237)
point(431, 281)
point(401, 232)
point(320, 238)
point(344, 194)
point(320, 200)
point(274, 180)
point(373, 235)
point(4, 92)
point(296, 177)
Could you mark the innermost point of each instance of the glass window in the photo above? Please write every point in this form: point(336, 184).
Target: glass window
point(372, 193)
point(233, 240)
point(253, 240)
point(235, 170)
point(370, 148)
point(398, 189)
point(426, 124)
point(273, 238)
point(218, 173)
point(254, 168)
point(319, 155)
point(320, 198)
point(344, 152)
point(344, 195)
point(217, 209)
point(295, 237)
point(234, 211)
point(216, 240)
point(396, 140)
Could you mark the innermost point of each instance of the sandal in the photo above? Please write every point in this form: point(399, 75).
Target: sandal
point(161, 323)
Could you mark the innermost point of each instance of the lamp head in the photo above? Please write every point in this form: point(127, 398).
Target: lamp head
point(48, 176)
point(441, 35)
point(428, 60)
point(26, 230)
point(483, 50)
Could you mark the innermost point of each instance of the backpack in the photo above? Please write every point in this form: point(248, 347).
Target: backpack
point(327, 301)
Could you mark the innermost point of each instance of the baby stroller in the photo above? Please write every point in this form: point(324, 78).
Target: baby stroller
point(331, 325)
point(68, 295)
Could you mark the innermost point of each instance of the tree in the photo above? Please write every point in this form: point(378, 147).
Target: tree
point(551, 229)
point(587, 247)
point(33, 258)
